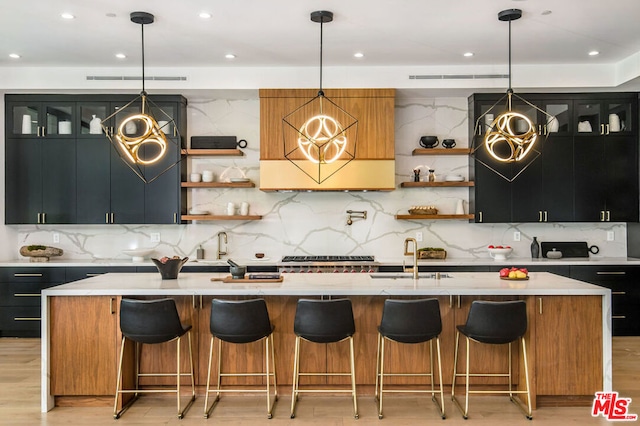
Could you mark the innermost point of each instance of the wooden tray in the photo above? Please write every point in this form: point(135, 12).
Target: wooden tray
point(514, 279)
point(229, 279)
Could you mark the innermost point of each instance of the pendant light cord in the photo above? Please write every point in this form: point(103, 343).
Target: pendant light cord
point(142, 26)
point(320, 92)
point(509, 56)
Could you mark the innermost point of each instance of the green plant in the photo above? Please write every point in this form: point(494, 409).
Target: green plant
point(36, 247)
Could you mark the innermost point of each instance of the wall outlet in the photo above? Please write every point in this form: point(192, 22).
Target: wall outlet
point(611, 236)
point(155, 237)
point(418, 236)
point(516, 236)
point(56, 237)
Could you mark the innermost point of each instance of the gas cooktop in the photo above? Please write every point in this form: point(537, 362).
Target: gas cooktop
point(328, 259)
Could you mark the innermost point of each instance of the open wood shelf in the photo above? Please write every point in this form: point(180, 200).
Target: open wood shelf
point(435, 184)
point(213, 152)
point(434, 216)
point(440, 151)
point(219, 217)
point(218, 185)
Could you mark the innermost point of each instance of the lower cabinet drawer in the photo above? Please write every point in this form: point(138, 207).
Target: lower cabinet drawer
point(20, 294)
point(19, 321)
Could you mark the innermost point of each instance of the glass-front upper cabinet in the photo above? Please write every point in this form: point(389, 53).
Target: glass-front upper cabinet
point(90, 117)
point(556, 118)
point(39, 120)
point(604, 117)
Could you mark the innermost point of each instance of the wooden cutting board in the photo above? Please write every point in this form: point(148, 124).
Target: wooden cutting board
point(230, 279)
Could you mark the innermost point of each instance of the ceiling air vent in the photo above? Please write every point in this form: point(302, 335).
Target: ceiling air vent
point(128, 78)
point(457, 76)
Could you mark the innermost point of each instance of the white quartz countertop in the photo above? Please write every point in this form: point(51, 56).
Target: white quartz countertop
point(196, 283)
point(515, 261)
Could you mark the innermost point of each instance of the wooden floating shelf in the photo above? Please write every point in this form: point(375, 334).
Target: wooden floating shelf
point(435, 184)
point(434, 216)
point(218, 185)
point(441, 151)
point(214, 152)
point(219, 217)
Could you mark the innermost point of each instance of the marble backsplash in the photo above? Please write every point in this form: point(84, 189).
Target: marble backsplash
point(316, 223)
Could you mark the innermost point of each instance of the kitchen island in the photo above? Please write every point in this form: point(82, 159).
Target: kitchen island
point(569, 333)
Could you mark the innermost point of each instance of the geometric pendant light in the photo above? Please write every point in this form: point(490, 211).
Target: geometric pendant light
point(139, 140)
point(511, 142)
point(319, 136)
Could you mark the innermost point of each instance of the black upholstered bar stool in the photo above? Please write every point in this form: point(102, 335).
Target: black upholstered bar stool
point(495, 323)
point(323, 321)
point(152, 322)
point(242, 321)
point(410, 322)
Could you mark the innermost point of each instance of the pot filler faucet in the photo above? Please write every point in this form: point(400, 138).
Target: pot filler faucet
point(220, 239)
point(414, 253)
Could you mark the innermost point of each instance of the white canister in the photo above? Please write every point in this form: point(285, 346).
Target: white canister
point(244, 208)
point(95, 125)
point(26, 124)
point(614, 123)
point(459, 207)
point(64, 128)
point(231, 209)
point(552, 124)
point(488, 119)
point(207, 176)
point(130, 127)
point(195, 177)
point(165, 127)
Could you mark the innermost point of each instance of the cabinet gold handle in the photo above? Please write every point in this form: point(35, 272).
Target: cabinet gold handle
point(26, 319)
point(459, 301)
point(619, 292)
point(602, 129)
point(611, 273)
point(539, 216)
point(618, 317)
point(451, 301)
point(601, 215)
point(112, 217)
point(607, 132)
point(545, 130)
point(112, 305)
point(44, 218)
point(540, 305)
point(106, 218)
point(26, 294)
point(608, 216)
point(175, 218)
point(480, 216)
point(540, 129)
point(545, 216)
point(27, 275)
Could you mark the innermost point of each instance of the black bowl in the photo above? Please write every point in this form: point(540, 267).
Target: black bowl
point(169, 270)
point(429, 141)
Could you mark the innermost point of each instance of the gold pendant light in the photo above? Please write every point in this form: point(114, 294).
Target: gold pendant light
point(510, 138)
point(319, 136)
point(139, 140)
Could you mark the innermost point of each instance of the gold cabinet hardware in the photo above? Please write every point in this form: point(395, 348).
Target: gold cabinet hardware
point(618, 317)
point(540, 305)
point(622, 293)
point(26, 294)
point(26, 319)
point(610, 273)
point(27, 275)
point(112, 307)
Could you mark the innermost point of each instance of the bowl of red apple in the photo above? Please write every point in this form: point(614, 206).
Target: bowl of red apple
point(514, 273)
point(499, 252)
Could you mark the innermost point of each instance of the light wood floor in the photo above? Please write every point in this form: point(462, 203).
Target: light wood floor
point(20, 402)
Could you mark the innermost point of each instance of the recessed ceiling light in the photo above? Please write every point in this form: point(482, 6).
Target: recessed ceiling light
point(120, 55)
point(546, 12)
point(594, 53)
point(230, 56)
point(358, 55)
point(468, 54)
point(110, 15)
point(14, 55)
point(66, 15)
point(204, 15)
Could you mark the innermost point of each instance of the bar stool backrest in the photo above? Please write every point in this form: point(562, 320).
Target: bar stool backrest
point(411, 321)
point(496, 322)
point(324, 321)
point(240, 321)
point(150, 321)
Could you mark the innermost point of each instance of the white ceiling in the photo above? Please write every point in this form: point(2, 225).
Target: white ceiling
point(277, 33)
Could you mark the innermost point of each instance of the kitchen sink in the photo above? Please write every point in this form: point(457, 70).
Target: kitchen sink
point(407, 275)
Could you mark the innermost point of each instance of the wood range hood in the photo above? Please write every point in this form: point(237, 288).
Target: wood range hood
point(372, 169)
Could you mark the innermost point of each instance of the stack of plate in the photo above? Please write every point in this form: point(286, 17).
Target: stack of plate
point(454, 178)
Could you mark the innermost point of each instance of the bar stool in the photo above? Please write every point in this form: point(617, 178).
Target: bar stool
point(152, 322)
point(323, 321)
point(410, 322)
point(243, 321)
point(494, 323)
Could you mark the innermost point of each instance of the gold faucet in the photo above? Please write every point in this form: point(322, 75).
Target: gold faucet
point(414, 253)
point(220, 252)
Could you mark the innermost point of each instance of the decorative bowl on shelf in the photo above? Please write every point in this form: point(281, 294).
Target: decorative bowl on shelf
point(169, 268)
point(39, 253)
point(137, 255)
point(500, 253)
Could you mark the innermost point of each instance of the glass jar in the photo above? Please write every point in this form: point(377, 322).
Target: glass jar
point(432, 175)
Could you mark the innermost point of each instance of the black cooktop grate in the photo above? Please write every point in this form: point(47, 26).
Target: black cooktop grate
point(328, 259)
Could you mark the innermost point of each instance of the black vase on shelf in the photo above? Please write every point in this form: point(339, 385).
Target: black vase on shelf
point(535, 248)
